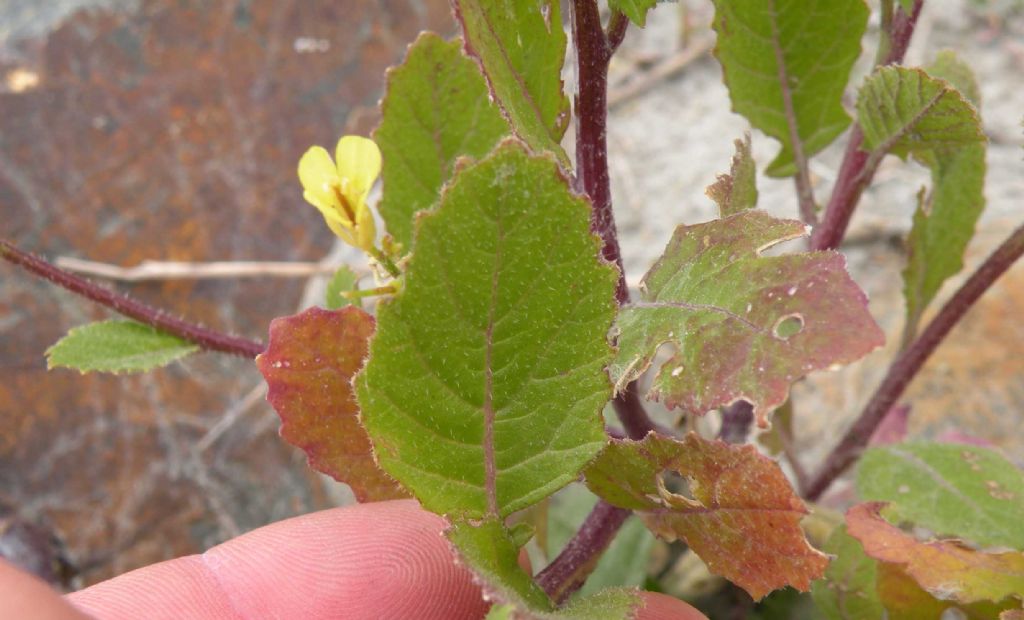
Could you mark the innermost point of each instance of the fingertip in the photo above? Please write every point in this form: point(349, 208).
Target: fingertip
point(26, 597)
point(658, 606)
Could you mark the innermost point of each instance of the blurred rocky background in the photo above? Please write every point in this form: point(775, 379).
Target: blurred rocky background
point(170, 130)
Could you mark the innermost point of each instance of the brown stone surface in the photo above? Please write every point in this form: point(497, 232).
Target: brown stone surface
point(168, 130)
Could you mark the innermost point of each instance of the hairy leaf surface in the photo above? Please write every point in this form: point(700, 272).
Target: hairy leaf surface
point(308, 367)
point(436, 109)
point(521, 47)
point(116, 346)
point(736, 191)
point(740, 514)
point(945, 568)
point(486, 378)
point(745, 326)
point(953, 490)
point(786, 63)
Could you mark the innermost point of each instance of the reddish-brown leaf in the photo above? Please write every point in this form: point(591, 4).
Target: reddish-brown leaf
point(309, 367)
point(945, 568)
point(740, 516)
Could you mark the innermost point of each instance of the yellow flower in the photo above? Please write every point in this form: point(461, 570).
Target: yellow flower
point(339, 191)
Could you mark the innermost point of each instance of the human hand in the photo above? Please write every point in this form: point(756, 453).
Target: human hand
point(381, 560)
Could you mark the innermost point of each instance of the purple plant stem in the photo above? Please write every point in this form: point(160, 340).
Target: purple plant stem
point(572, 566)
point(206, 338)
point(594, 49)
point(910, 361)
point(857, 169)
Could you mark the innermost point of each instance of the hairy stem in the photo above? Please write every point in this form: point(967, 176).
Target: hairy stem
point(910, 361)
point(207, 339)
point(593, 52)
point(570, 569)
point(594, 49)
point(857, 169)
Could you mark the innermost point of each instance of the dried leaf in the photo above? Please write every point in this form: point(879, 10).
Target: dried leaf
point(745, 326)
point(741, 515)
point(945, 568)
point(308, 367)
point(736, 191)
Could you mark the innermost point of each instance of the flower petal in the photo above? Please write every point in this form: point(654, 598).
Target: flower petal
point(317, 173)
point(366, 228)
point(358, 165)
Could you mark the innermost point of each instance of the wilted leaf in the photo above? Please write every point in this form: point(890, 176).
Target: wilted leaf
point(521, 48)
point(635, 10)
point(945, 568)
point(745, 326)
point(848, 590)
point(488, 551)
point(787, 64)
point(741, 516)
point(486, 380)
point(903, 598)
point(116, 346)
point(736, 191)
point(436, 110)
point(308, 367)
point(343, 281)
point(907, 112)
point(953, 490)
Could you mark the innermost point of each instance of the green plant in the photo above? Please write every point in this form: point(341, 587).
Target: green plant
point(505, 325)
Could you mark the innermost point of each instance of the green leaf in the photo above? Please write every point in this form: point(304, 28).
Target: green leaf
point(308, 367)
point(486, 380)
point(907, 6)
point(635, 10)
point(905, 111)
point(521, 47)
point(436, 109)
point(736, 191)
point(848, 590)
point(625, 561)
point(943, 226)
point(116, 346)
point(948, 66)
point(953, 490)
point(731, 313)
point(739, 513)
point(786, 64)
point(488, 550)
point(343, 281)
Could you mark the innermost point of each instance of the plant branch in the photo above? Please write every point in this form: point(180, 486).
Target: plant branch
point(149, 270)
point(910, 361)
point(570, 569)
point(206, 338)
point(594, 52)
point(857, 169)
point(594, 49)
